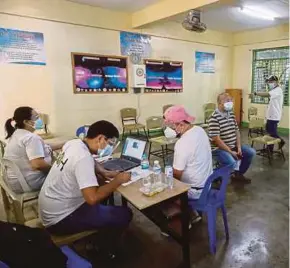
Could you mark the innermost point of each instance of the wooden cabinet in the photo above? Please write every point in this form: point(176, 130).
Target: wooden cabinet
point(237, 96)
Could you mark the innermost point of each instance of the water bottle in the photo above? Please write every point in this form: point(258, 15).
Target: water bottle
point(169, 176)
point(144, 162)
point(157, 174)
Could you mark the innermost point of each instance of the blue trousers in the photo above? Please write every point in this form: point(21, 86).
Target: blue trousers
point(226, 159)
point(88, 217)
point(272, 129)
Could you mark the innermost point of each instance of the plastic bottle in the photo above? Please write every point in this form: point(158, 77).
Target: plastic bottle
point(169, 176)
point(144, 162)
point(157, 174)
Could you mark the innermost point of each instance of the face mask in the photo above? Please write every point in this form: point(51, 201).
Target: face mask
point(38, 124)
point(228, 106)
point(170, 133)
point(271, 86)
point(108, 150)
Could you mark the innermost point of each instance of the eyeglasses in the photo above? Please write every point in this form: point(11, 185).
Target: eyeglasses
point(111, 142)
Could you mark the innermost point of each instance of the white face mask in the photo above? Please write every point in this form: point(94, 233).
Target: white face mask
point(271, 85)
point(228, 106)
point(170, 133)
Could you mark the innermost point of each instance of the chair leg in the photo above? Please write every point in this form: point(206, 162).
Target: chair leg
point(123, 134)
point(149, 152)
point(18, 212)
point(224, 212)
point(5, 202)
point(282, 153)
point(147, 136)
point(163, 155)
point(211, 225)
point(269, 154)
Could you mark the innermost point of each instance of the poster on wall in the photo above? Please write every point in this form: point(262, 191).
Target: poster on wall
point(163, 76)
point(21, 47)
point(135, 44)
point(99, 73)
point(204, 62)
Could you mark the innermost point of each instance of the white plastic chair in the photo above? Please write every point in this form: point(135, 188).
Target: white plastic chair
point(18, 200)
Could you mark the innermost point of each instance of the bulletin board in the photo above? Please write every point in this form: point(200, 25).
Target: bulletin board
point(163, 76)
point(99, 73)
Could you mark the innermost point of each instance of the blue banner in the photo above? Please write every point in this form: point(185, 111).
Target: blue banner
point(134, 43)
point(21, 47)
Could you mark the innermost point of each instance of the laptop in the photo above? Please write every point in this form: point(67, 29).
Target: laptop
point(131, 156)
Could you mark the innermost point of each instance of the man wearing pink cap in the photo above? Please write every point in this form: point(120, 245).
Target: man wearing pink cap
point(192, 162)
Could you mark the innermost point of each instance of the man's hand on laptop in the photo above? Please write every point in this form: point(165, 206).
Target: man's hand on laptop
point(123, 177)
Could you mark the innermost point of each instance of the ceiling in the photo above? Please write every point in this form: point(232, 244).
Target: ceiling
point(229, 17)
point(120, 5)
point(221, 17)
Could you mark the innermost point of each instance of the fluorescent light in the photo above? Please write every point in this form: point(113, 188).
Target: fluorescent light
point(257, 13)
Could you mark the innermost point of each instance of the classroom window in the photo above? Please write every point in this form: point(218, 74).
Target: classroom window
point(267, 62)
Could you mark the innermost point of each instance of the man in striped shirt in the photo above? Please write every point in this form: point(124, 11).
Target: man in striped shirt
point(225, 137)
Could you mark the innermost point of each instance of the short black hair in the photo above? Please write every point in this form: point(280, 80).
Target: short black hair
point(103, 128)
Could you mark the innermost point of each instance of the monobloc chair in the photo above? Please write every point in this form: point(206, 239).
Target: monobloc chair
point(208, 109)
point(18, 200)
point(210, 201)
point(155, 124)
point(44, 132)
point(130, 122)
point(165, 107)
point(2, 148)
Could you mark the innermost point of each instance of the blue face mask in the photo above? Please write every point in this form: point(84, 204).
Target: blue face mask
point(39, 124)
point(108, 150)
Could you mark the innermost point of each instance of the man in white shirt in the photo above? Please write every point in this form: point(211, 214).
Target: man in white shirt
point(69, 201)
point(192, 162)
point(275, 107)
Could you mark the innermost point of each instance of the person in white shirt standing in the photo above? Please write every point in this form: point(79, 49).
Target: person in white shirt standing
point(275, 107)
point(26, 149)
point(192, 162)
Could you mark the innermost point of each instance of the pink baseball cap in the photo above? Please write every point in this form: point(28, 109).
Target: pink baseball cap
point(177, 114)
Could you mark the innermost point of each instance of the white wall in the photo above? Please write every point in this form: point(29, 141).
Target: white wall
point(49, 88)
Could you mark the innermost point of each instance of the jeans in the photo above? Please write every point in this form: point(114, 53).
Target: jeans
point(226, 159)
point(88, 217)
point(271, 128)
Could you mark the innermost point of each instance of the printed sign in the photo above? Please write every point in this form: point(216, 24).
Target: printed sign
point(21, 47)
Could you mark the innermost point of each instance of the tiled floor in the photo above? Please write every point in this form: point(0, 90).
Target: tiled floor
point(258, 216)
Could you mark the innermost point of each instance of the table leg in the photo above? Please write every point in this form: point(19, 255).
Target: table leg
point(124, 202)
point(185, 230)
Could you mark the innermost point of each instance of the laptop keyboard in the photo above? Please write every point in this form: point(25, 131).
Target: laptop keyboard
point(118, 164)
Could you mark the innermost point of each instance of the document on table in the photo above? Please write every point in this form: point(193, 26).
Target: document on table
point(138, 173)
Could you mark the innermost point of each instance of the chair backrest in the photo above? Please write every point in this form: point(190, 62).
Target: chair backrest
point(8, 164)
point(2, 148)
point(252, 112)
point(128, 115)
point(256, 123)
point(154, 122)
point(207, 114)
point(209, 106)
point(45, 121)
point(165, 107)
point(220, 173)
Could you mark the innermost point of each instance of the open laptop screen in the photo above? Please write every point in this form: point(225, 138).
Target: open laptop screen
point(134, 148)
